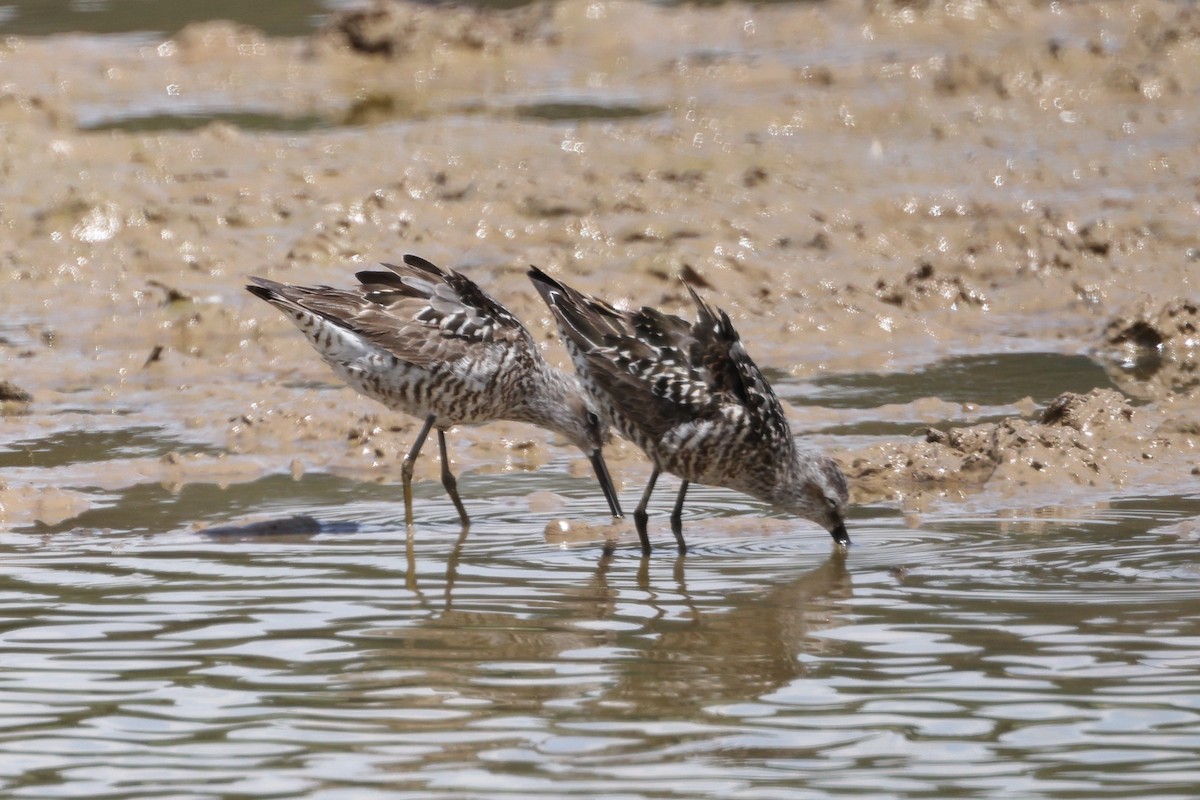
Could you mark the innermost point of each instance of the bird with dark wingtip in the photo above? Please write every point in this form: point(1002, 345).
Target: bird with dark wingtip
point(431, 343)
point(690, 397)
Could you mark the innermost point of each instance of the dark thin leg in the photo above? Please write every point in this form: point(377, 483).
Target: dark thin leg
point(677, 517)
point(640, 516)
point(406, 469)
point(448, 480)
point(452, 567)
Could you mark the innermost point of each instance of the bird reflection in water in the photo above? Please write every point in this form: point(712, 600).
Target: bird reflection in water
point(637, 641)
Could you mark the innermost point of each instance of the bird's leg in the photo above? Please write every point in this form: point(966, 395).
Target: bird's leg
point(449, 482)
point(677, 517)
point(640, 516)
point(406, 469)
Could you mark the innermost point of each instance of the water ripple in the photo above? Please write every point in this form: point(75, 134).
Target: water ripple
point(960, 657)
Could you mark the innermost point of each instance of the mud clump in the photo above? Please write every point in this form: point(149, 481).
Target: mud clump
point(40, 504)
point(11, 393)
point(922, 289)
point(395, 28)
point(1095, 439)
point(28, 113)
point(1154, 350)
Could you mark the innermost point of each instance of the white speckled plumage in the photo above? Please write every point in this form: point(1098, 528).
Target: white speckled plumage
point(691, 398)
point(431, 343)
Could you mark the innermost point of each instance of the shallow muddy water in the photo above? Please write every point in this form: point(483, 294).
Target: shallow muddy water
point(1050, 656)
point(959, 237)
point(43, 17)
point(153, 645)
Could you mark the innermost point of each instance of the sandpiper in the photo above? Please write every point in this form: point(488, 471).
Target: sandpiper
point(431, 343)
point(690, 397)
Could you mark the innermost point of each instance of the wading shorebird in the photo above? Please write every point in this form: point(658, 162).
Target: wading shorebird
point(690, 397)
point(431, 343)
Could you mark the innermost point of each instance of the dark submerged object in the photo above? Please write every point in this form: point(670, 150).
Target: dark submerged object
point(298, 525)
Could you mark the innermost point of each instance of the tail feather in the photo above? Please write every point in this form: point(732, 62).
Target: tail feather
point(415, 277)
point(261, 287)
point(273, 292)
point(590, 323)
point(418, 263)
point(298, 302)
point(377, 277)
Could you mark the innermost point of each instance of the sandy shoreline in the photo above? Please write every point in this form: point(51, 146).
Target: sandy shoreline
point(912, 182)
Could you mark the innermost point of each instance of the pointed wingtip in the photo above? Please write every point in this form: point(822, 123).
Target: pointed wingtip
point(376, 277)
point(263, 288)
point(702, 307)
point(691, 290)
point(541, 278)
point(550, 289)
point(419, 263)
point(422, 266)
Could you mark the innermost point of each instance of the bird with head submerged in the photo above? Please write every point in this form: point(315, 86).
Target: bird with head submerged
point(691, 398)
point(431, 343)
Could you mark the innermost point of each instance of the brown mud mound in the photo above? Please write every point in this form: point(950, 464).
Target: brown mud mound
point(11, 393)
point(1098, 441)
point(394, 29)
point(45, 504)
point(1154, 350)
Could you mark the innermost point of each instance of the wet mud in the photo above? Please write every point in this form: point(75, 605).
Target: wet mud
point(865, 188)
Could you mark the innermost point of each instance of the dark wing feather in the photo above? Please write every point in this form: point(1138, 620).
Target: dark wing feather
point(727, 368)
point(713, 342)
point(639, 360)
point(592, 319)
point(665, 331)
point(376, 279)
point(631, 398)
point(639, 381)
point(418, 312)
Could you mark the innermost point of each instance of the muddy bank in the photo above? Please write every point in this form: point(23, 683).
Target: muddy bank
point(1078, 446)
point(866, 188)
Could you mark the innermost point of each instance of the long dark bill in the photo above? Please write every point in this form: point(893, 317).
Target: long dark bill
point(840, 535)
point(606, 484)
